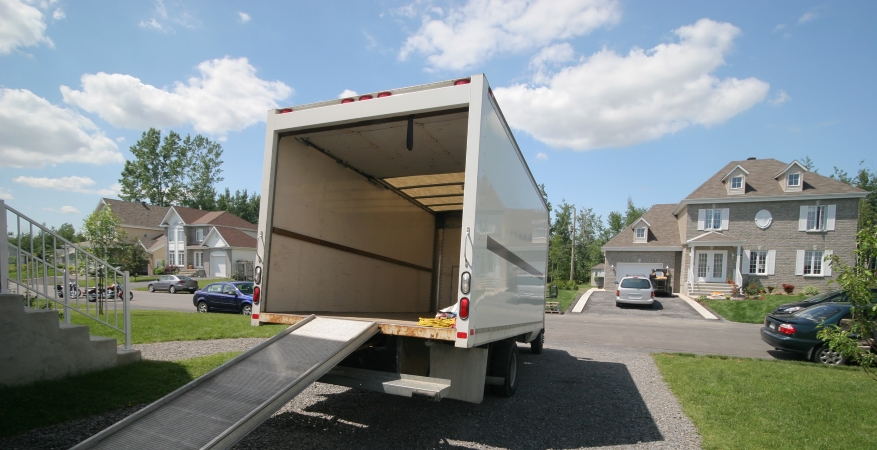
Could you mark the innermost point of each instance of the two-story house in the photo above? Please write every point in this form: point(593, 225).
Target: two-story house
point(754, 219)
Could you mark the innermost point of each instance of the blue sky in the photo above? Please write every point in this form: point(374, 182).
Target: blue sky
point(608, 99)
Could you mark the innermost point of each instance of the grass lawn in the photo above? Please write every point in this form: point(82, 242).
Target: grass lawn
point(44, 403)
point(566, 297)
point(201, 283)
point(749, 403)
point(750, 311)
point(149, 326)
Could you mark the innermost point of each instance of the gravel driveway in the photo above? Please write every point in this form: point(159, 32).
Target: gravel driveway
point(574, 395)
point(603, 303)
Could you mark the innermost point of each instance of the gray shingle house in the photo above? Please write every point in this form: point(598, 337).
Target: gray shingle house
point(754, 219)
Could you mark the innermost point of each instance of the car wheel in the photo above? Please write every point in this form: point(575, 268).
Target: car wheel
point(505, 365)
point(247, 310)
point(172, 290)
point(536, 344)
point(151, 288)
point(202, 307)
point(825, 355)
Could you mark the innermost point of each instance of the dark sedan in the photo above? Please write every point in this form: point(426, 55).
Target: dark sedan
point(234, 296)
point(796, 332)
point(830, 296)
point(174, 284)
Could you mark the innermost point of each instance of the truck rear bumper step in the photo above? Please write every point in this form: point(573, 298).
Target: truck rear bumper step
point(389, 383)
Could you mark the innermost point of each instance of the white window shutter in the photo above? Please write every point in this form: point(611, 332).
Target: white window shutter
point(701, 219)
point(799, 262)
point(771, 261)
point(830, 212)
point(726, 216)
point(802, 220)
point(826, 263)
point(744, 264)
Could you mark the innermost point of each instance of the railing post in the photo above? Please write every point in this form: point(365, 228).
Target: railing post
point(66, 289)
point(126, 295)
point(4, 251)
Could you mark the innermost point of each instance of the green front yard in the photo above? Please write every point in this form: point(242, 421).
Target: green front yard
point(201, 283)
point(750, 311)
point(567, 296)
point(739, 403)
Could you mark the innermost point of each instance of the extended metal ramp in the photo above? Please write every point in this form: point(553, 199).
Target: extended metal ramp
point(221, 407)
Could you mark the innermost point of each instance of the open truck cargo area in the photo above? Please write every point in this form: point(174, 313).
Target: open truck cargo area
point(399, 205)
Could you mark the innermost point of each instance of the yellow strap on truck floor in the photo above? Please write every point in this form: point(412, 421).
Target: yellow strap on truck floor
point(437, 323)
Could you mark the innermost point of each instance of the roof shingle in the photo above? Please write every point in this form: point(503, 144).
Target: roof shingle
point(663, 230)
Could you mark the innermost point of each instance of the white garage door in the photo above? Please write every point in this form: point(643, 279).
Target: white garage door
point(625, 269)
point(217, 264)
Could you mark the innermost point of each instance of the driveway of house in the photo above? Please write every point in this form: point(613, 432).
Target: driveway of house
point(602, 303)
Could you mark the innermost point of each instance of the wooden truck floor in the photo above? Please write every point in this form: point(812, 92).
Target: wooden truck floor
point(399, 324)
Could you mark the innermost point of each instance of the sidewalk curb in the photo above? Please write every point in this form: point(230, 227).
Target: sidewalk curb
point(697, 307)
point(583, 300)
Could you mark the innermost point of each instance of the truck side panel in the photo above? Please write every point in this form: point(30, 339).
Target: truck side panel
point(319, 198)
point(509, 234)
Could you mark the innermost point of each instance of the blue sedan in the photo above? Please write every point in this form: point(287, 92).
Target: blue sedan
point(234, 296)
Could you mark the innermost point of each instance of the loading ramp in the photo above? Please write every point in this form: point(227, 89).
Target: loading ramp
point(218, 409)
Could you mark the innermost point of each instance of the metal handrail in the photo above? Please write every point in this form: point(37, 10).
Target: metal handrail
point(34, 280)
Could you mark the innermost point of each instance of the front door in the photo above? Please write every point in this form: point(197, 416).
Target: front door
point(710, 266)
point(199, 260)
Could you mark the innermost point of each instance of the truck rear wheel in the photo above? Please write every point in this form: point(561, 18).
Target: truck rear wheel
point(536, 344)
point(505, 365)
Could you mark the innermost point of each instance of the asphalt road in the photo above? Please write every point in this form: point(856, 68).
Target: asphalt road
point(162, 300)
point(602, 303)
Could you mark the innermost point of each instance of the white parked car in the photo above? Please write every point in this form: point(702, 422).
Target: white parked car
point(635, 290)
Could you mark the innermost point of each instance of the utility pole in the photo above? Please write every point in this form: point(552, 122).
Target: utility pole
point(572, 234)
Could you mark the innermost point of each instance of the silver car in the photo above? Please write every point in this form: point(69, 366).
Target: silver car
point(635, 290)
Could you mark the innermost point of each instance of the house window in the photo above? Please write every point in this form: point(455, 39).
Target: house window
point(813, 262)
point(181, 257)
point(758, 262)
point(713, 219)
point(794, 179)
point(816, 218)
point(171, 260)
point(736, 182)
point(181, 235)
point(640, 235)
point(199, 234)
point(170, 236)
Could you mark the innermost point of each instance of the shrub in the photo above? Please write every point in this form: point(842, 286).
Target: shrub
point(566, 284)
point(158, 270)
point(810, 290)
point(789, 288)
point(753, 288)
point(702, 298)
point(770, 289)
point(171, 269)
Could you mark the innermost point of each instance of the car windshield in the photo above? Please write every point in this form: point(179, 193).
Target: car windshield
point(635, 283)
point(245, 288)
point(184, 278)
point(818, 313)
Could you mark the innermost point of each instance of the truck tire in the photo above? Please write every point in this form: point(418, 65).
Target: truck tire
point(505, 365)
point(536, 344)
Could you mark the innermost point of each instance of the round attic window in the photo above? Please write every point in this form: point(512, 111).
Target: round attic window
point(763, 219)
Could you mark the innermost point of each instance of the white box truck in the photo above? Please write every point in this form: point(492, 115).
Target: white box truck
point(394, 206)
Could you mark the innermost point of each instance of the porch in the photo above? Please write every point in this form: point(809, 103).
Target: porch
point(713, 264)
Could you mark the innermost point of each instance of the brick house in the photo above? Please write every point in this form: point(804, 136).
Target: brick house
point(759, 220)
point(196, 236)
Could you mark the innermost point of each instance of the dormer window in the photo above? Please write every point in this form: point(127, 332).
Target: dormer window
point(791, 178)
point(794, 179)
point(640, 235)
point(737, 182)
point(640, 230)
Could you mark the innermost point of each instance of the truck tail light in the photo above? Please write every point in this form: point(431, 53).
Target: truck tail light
point(384, 94)
point(465, 282)
point(462, 335)
point(346, 100)
point(366, 97)
point(464, 308)
point(285, 110)
point(462, 81)
point(786, 329)
point(256, 292)
point(257, 278)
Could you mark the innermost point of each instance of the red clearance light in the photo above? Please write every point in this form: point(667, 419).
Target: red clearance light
point(786, 329)
point(285, 110)
point(384, 94)
point(256, 292)
point(464, 308)
point(346, 100)
point(256, 316)
point(366, 97)
point(462, 335)
point(462, 81)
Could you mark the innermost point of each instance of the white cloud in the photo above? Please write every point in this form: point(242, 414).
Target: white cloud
point(6, 194)
point(152, 23)
point(120, 139)
point(21, 25)
point(549, 58)
point(481, 29)
point(780, 98)
point(807, 17)
point(34, 133)
point(71, 184)
point(63, 210)
point(612, 100)
point(59, 14)
point(244, 17)
point(542, 156)
point(227, 96)
point(164, 18)
point(347, 93)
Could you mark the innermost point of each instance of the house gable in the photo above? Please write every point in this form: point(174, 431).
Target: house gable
point(214, 239)
point(735, 180)
point(792, 177)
